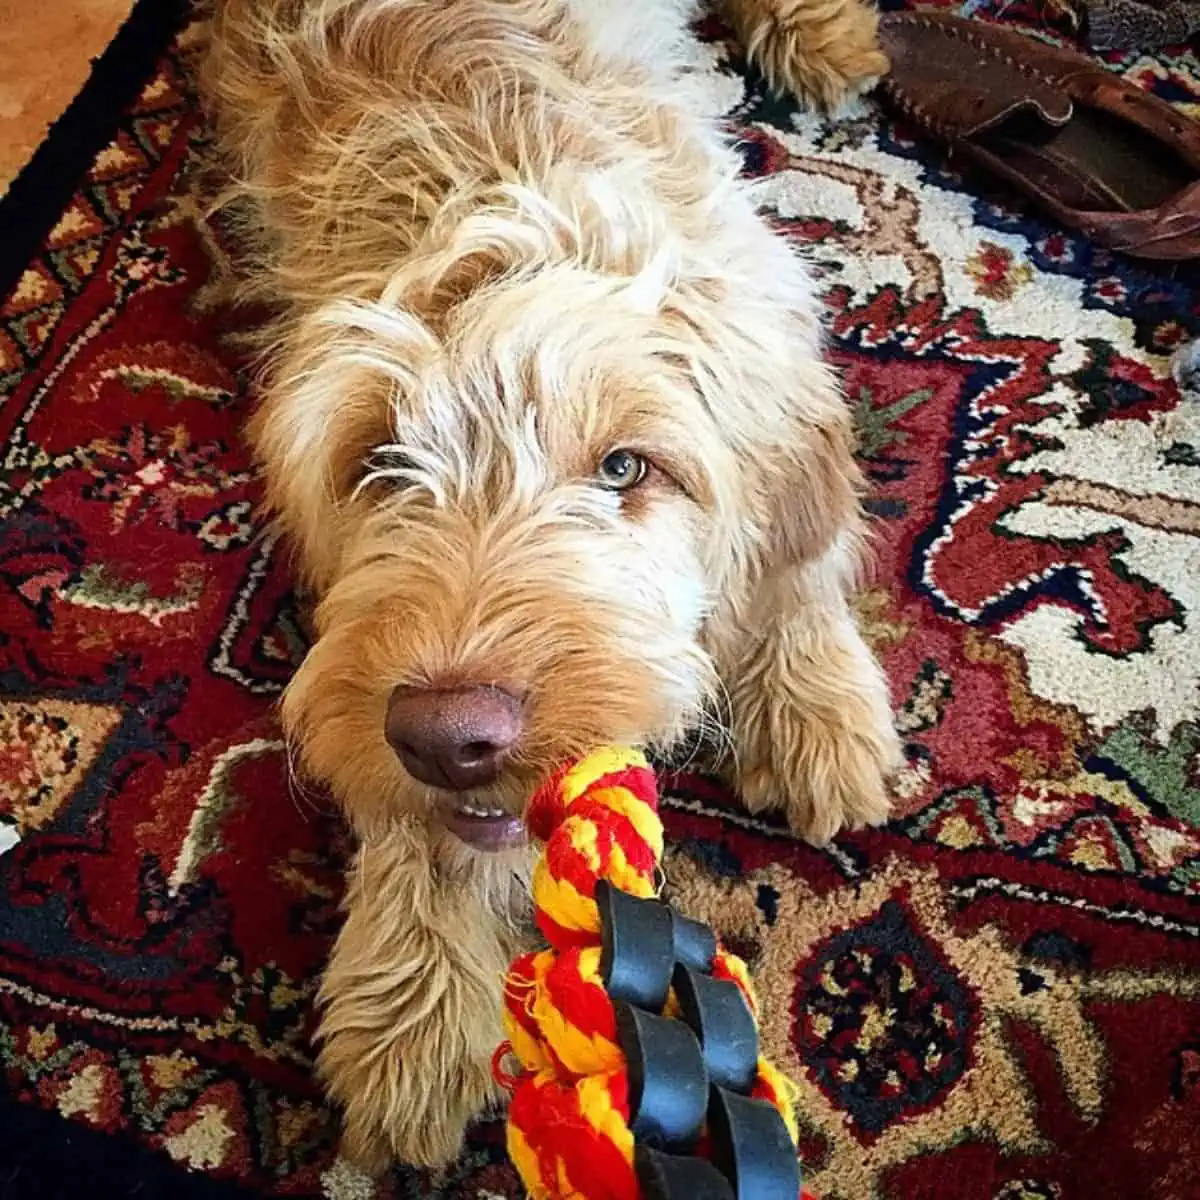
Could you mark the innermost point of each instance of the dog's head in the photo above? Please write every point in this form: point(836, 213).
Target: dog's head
point(519, 511)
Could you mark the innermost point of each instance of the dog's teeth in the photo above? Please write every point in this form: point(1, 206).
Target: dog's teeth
point(475, 810)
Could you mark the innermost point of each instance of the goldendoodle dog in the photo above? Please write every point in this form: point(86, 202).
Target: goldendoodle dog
point(545, 417)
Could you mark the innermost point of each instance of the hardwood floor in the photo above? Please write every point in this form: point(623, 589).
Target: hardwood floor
point(46, 48)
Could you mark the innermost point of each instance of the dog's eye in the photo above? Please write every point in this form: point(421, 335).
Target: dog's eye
point(622, 470)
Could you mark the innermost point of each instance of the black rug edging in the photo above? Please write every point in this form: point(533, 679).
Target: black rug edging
point(45, 1156)
point(39, 195)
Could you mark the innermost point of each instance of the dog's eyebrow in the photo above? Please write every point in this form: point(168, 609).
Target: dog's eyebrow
point(692, 481)
point(407, 465)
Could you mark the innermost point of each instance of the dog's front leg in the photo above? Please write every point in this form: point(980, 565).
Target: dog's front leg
point(411, 1001)
point(812, 727)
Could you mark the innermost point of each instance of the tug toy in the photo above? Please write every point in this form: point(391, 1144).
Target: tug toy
point(635, 1030)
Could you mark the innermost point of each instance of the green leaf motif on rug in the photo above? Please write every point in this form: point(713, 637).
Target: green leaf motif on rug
point(873, 424)
point(1168, 773)
point(102, 588)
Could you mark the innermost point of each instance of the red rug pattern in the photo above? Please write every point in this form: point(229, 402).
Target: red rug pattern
point(997, 997)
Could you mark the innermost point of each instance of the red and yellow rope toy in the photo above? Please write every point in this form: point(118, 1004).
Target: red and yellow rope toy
point(569, 1122)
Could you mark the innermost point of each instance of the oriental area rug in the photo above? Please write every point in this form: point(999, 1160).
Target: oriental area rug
point(996, 997)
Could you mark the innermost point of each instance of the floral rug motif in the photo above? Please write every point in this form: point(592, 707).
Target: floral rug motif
point(997, 997)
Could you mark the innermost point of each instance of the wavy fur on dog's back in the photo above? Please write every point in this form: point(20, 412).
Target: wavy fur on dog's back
point(354, 127)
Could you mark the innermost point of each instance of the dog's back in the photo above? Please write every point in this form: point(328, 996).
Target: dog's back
point(352, 125)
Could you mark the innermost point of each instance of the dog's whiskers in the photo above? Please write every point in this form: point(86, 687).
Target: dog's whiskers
point(298, 792)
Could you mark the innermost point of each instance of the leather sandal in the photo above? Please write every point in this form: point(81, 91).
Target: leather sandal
point(1101, 155)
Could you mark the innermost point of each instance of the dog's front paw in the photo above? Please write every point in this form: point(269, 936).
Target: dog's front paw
point(406, 1098)
point(825, 774)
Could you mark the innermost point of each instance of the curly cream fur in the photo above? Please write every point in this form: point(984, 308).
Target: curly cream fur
point(498, 244)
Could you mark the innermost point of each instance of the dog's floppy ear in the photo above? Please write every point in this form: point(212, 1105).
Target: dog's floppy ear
point(326, 403)
point(813, 492)
point(778, 406)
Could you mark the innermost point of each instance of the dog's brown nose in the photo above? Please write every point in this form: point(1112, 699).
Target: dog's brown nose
point(456, 739)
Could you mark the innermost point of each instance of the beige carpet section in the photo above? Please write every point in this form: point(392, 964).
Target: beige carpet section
point(46, 48)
